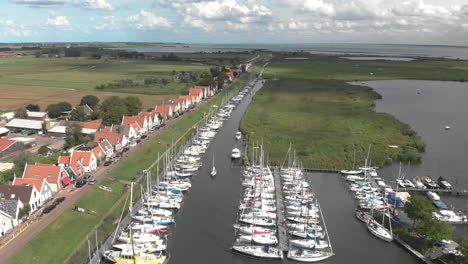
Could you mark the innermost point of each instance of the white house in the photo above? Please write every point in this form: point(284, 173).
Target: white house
point(44, 188)
point(9, 210)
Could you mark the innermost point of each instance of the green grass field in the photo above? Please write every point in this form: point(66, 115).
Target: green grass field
point(333, 68)
point(82, 73)
point(325, 119)
point(70, 228)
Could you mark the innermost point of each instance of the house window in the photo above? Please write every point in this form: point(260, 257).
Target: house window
point(12, 196)
point(49, 176)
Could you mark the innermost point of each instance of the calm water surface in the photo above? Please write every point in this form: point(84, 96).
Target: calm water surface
point(437, 105)
point(204, 232)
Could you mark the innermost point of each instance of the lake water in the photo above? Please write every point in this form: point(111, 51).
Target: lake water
point(204, 231)
point(378, 58)
point(438, 104)
point(452, 52)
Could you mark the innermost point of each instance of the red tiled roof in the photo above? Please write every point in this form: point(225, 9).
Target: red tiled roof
point(205, 88)
point(64, 160)
point(49, 172)
point(112, 137)
point(98, 151)
point(5, 143)
point(95, 124)
point(8, 54)
point(127, 120)
point(30, 182)
point(195, 91)
point(230, 74)
point(83, 157)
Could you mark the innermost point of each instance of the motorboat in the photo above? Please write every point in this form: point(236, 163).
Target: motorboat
point(363, 216)
point(450, 216)
point(155, 212)
point(351, 172)
point(238, 135)
point(429, 182)
point(213, 170)
point(443, 183)
point(139, 238)
point(262, 252)
point(235, 154)
point(418, 183)
point(379, 231)
point(306, 255)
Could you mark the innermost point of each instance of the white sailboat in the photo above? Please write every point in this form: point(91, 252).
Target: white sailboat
point(238, 135)
point(213, 170)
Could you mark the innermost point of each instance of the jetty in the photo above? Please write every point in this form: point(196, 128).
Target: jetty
point(281, 220)
point(455, 191)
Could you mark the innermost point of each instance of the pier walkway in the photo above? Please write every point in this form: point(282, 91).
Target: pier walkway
point(282, 235)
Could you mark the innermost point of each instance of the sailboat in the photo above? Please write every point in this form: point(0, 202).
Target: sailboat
point(379, 230)
point(213, 170)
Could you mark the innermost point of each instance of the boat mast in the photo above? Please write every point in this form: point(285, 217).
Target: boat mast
point(131, 224)
point(325, 226)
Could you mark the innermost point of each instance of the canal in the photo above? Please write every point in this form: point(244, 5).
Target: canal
point(204, 232)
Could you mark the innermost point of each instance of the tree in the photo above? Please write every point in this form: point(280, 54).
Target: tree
point(33, 107)
point(24, 211)
point(134, 105)
point(464, 249)
point(435, 230)
point(90, 100)
point(55, 110)
point(73, 135)
point(22, 159)
point(419, 208)
point(21, 113)
point(78, 114)
point(43, 150)
point(112, 110)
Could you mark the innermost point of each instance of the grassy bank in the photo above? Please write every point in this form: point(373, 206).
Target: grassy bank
point(326, 121)
point(334, 68)
point(66, 233)
point(145, 156)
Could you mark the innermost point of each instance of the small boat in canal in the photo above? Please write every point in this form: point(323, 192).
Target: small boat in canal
point(213, 170)
point(363, 216)
point(127, 256)
point(235, 154)
point(238, 135)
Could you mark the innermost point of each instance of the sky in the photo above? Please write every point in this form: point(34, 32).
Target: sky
point(431, 22)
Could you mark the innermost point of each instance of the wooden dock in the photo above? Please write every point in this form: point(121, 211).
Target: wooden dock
point(455, 192)
point(280, 219)
point(322, 170)
point(413, 251)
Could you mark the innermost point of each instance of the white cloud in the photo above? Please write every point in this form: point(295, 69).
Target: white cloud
point(108, 23)
point(198, 23)
point(95, 4)
point(58, 21)
point(319, 7)
point(148, 20)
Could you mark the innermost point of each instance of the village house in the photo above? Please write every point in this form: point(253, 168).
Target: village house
point(28, 195)
point(198, 93)
point(86, 159)
point(182, 102)
point(45, 191)
point(206, 91)
point(9, 213)
point(56, 176)
point(115, 139)
point(189, 99)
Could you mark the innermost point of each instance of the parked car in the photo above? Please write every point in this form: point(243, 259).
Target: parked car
point(107, 163)
point(58, 200)
point(118, 155)
point(144, 136)
point(138, 141)
point(89, 179)
point(126, 149)
point(132, 144)
point(80, 183)
point(48, 208)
